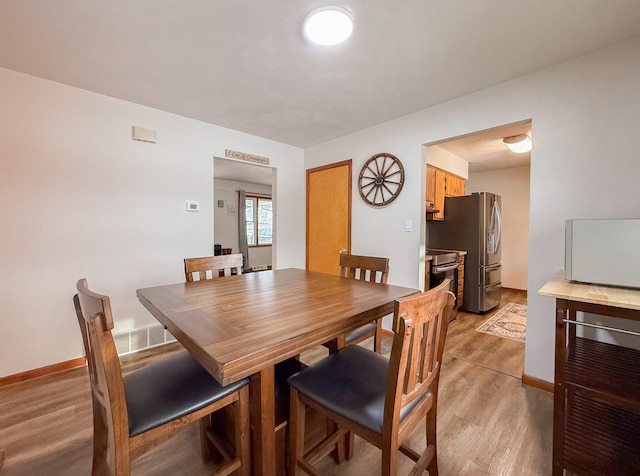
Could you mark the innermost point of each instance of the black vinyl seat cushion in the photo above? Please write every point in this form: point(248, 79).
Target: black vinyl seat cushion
point(170, 389)
point(359, 332)
point(351, 383)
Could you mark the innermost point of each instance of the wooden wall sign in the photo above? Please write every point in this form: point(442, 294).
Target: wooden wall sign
point(256, 159)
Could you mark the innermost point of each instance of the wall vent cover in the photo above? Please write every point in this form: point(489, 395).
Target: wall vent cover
point(141, 338)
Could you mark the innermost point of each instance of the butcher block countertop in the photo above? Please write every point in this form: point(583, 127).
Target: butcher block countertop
point(429, 257)
point(561, 288)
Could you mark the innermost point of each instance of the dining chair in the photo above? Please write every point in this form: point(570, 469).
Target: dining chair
point(364, 268)
point(211, 267)
point(135, 413)
point(380, 399)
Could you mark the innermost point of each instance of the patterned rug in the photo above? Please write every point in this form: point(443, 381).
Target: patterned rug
point(509, 322)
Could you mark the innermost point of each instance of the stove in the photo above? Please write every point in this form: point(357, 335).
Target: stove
point(442, 257)
point(444, 265)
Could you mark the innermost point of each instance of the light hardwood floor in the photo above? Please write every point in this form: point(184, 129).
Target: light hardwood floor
point(488, 422)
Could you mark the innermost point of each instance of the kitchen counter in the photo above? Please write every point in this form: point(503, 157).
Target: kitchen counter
point(429, 257)
point(560, 288)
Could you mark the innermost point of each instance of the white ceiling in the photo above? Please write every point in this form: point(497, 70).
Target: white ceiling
point(245, 65)
point(484, 150)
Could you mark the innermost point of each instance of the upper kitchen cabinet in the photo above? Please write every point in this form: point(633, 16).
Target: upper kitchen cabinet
point(441, 184)
point(435, 192)
point(453, 185)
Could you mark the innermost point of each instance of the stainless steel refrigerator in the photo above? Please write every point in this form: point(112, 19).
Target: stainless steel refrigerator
point(473, 223)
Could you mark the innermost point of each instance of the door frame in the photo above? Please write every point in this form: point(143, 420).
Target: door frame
point(239, 176)
point(321, 168)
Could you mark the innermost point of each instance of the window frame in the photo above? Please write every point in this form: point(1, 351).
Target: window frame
point(256, 198)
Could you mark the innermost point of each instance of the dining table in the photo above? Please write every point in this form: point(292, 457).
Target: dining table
point(244, 325)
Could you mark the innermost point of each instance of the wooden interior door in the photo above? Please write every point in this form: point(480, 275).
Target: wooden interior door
point(328, 216)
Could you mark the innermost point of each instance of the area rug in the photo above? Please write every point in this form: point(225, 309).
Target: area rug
point(509, 322)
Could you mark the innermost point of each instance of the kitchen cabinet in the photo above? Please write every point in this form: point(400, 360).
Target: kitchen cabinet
point(441, 184)
point(596, 413)
point(431, 187)
point(453, 185)
point(460, 295)
point(435, 193)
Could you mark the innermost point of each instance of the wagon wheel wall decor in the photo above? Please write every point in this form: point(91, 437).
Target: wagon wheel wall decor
point(381, 179)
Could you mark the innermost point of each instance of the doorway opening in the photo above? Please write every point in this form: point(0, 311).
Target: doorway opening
point(485, 164)
point(258, 183)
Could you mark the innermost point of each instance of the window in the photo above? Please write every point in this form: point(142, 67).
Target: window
point(259, 221)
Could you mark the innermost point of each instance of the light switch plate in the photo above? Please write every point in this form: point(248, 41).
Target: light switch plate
point(408, 225)
point(192, 206)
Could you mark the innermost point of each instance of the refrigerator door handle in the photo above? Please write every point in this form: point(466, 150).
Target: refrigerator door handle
point(498, 223)
point(493, 287)
point(495, 228)
point(493, 267)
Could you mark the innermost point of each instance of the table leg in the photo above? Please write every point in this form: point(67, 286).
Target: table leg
point(263, 421)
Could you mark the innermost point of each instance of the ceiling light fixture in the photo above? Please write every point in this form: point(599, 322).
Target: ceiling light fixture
point(519, 144)
point(328, 26)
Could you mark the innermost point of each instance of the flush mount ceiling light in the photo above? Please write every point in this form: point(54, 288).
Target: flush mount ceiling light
point(518, 144)
point(328, 26)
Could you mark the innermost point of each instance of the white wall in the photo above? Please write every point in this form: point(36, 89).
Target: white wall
point(445, 160)
point(226, 224)
point(584, 165)
point(513, 186)
point(80, 198)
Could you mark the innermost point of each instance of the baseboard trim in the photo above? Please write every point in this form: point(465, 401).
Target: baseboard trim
point(537, 383)
point(42, 371)
point(522, 291)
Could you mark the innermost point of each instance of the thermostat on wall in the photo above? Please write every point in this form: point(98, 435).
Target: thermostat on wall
point(192, 206)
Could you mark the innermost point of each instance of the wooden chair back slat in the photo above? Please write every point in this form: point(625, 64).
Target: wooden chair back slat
point(212, 267)
point(365, 268)
point(420, 326)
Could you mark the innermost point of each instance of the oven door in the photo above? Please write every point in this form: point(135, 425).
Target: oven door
point(446, 271)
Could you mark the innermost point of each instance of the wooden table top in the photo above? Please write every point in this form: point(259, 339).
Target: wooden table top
point(239, 325)
point(561, 288)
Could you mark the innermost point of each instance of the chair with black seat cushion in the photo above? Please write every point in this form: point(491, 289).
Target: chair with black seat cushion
point(364, 268)
point(131, 415)
point(212, 267)
point(382, 400)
